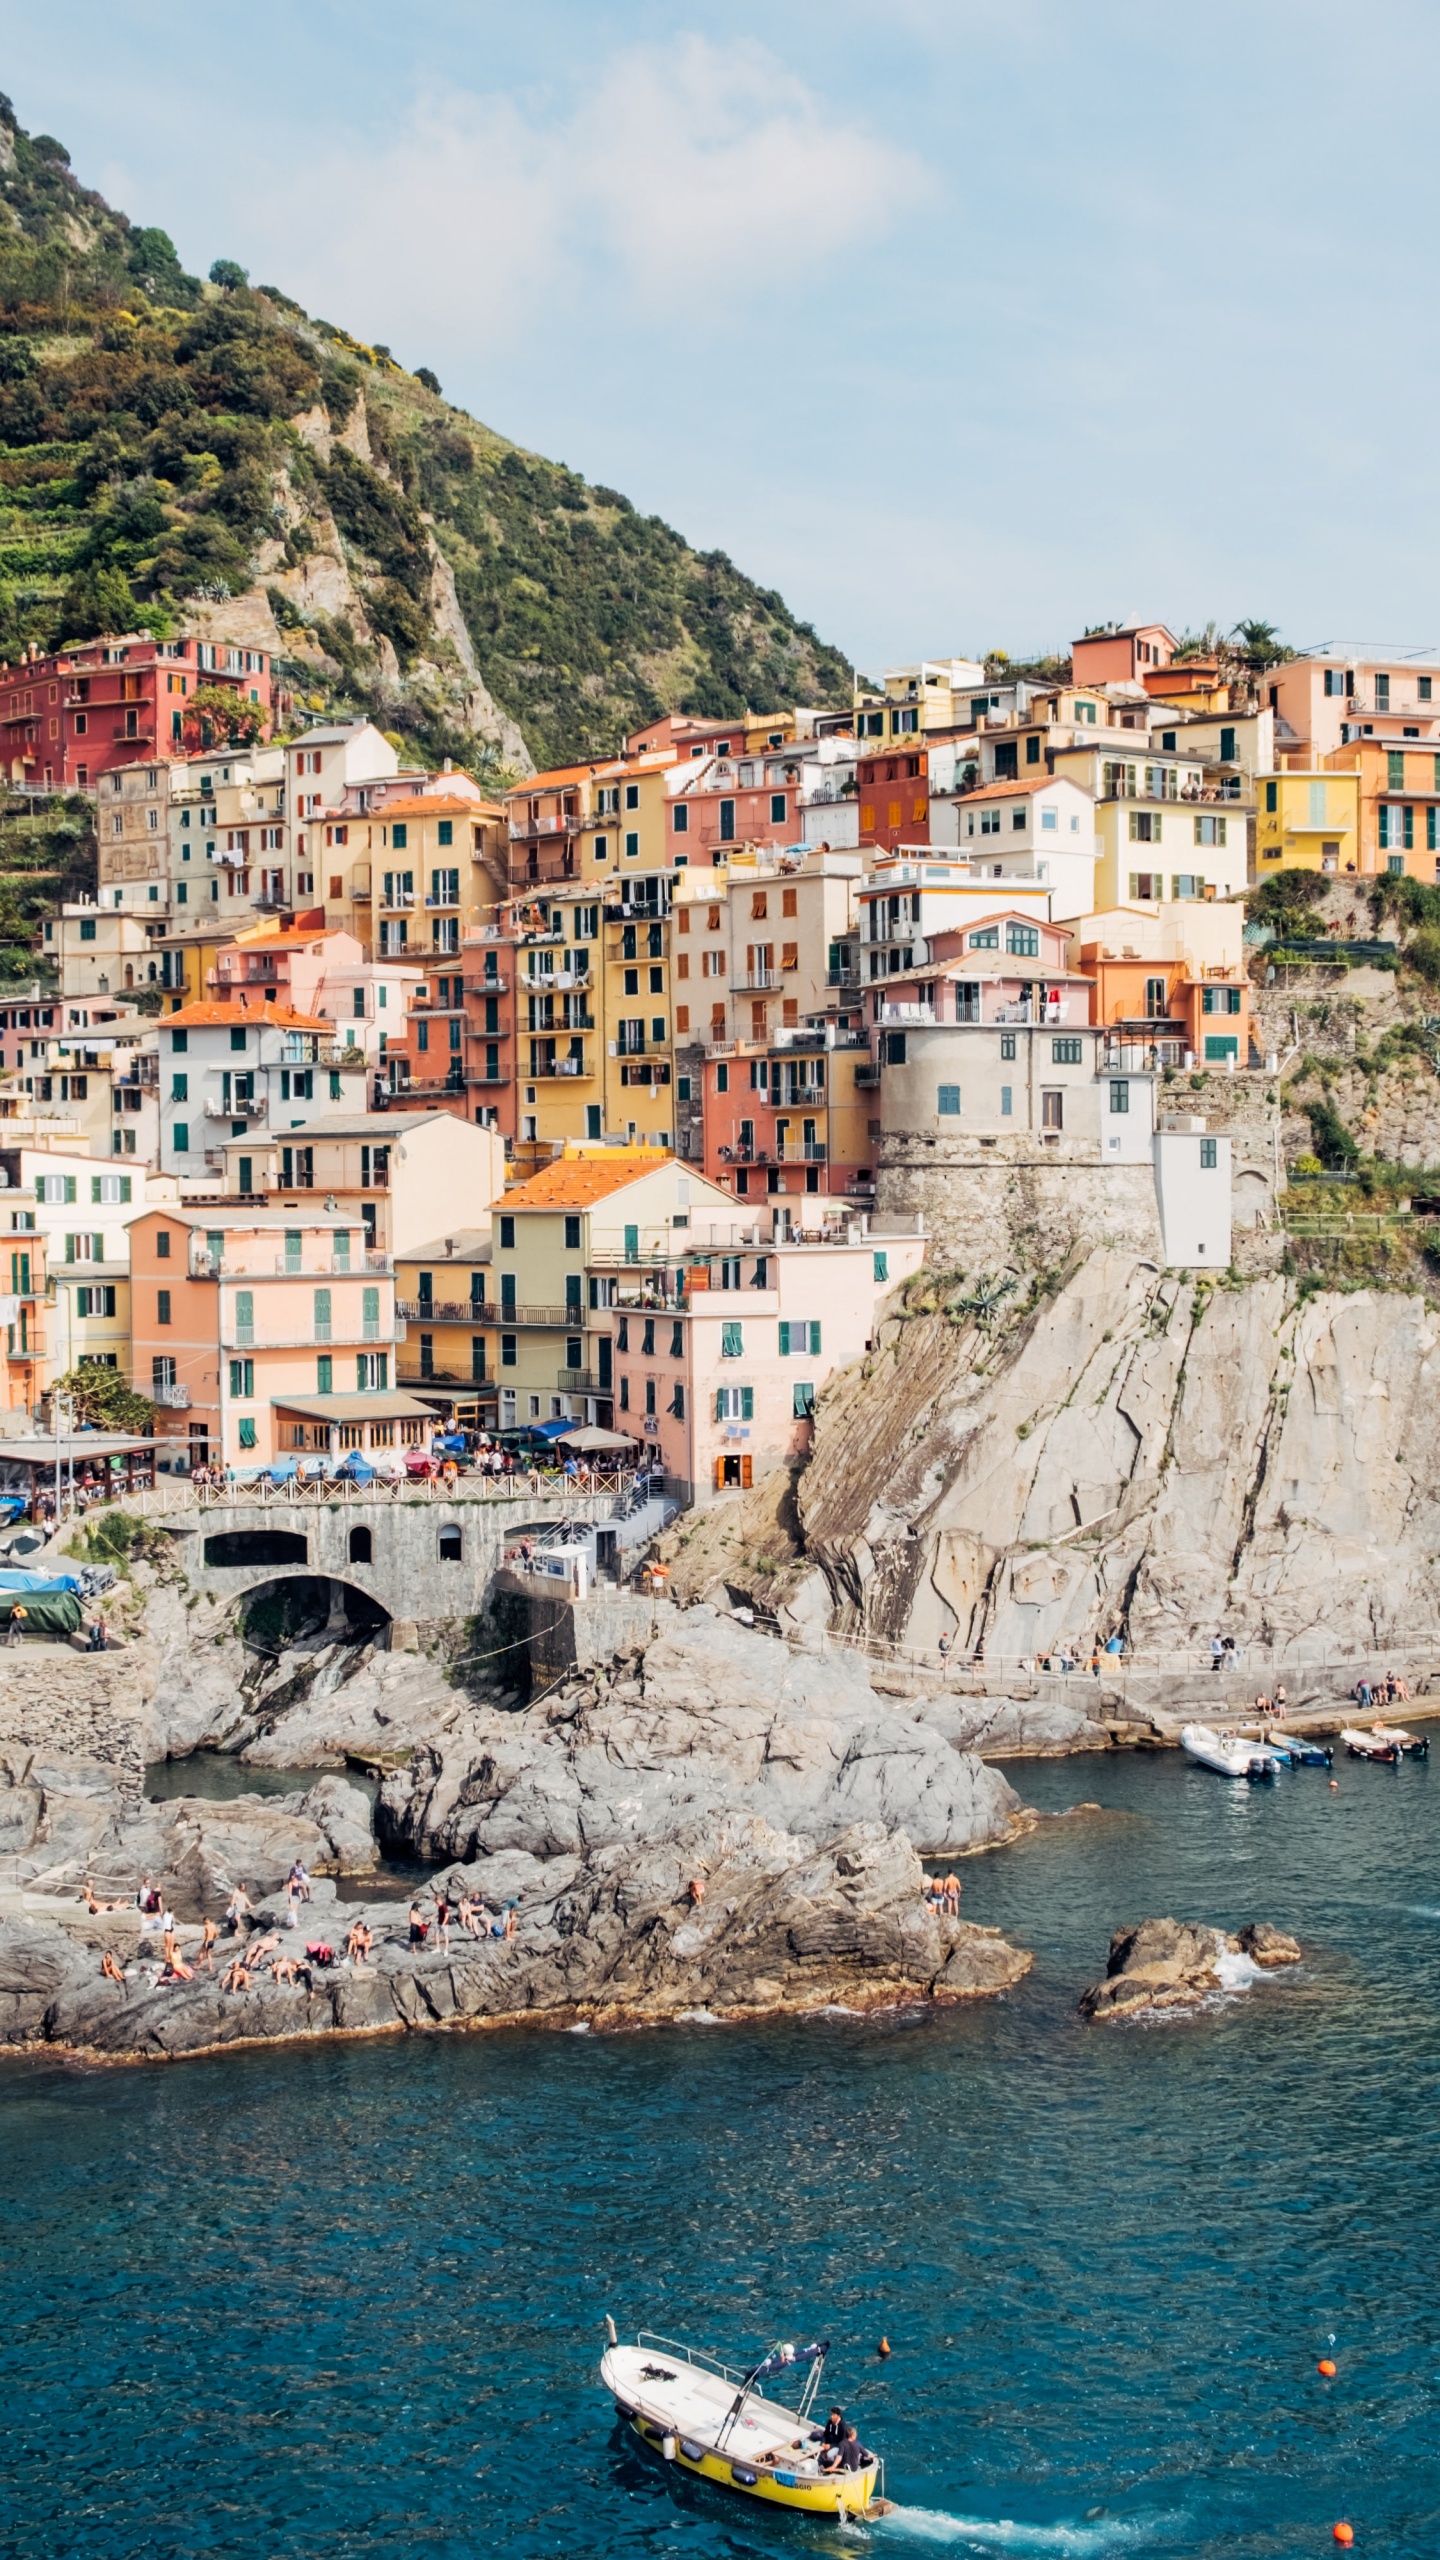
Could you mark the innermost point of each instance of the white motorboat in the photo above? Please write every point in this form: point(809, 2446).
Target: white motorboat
point(1370, 1742)
point(1231, 1755)
point(715, 2423)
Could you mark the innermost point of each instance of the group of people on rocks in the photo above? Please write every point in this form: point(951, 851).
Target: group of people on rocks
point(257, 1950)
point(942, 1894)
point(1380, 1693)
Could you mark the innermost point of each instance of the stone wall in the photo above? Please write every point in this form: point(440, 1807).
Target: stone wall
point(986, 1212)
point(56, 1705)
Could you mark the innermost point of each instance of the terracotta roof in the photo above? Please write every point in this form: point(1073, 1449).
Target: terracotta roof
point(430, 805)
point(575, 1182)
point(192, 1016)
point(1012, 790)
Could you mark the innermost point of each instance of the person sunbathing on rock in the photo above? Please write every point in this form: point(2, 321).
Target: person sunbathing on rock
point(174, 1968)
point(237, 1978)
point(468, 1920)
point(111, 1969)
point(359, 1943)
point(91, 1904)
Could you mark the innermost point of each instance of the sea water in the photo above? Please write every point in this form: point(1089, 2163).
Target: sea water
point(348, 2299)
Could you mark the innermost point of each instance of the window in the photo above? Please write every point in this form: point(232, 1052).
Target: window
point(799, 1337)
point(1023, 941)
point(87, 929)
point(802, 1403)
point(947, 1101)
point(162, 1306)
point(248, 1436)
point(509, 1357)
point(1220, 1000)
point(507, 1235)
point(372, 1372)
point(632, 846)
point(180, 1137)
point(1382, 693)
point(682, 818)
point(1209, 1154)
point(1007, 1044)
point(732, 1346)
point(1067, 1053)
point(322, 1315)
point(1145, 826)
point(244, 1316)
point(1397, 827)
point(324, 1374)
point(162, 1244)
point(1423, 688)
point(1119, 1093)
point(242, 1378)
point(1227, 746)
point(734, 1404)
point(572, 1235)
point(1052, 1110)
point(1272, 797)
point(1212, 830)
point(237, 1039)
point(1188, 884)
point(727, 821)
point(162, 1372)
point(1006, 1101)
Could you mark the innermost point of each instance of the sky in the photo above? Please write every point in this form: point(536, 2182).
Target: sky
point(963, 326)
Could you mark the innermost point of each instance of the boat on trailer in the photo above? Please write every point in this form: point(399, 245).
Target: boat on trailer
point(1232, 1755)
point(715, 2422)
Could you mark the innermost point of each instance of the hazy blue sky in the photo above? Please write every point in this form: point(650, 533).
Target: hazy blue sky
point(964, 325)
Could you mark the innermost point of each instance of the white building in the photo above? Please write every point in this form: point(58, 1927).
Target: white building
point(1041, 830)
point(320, 770)
point(229, 1067)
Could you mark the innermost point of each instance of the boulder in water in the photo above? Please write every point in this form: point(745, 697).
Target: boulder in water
point(1169, 1964)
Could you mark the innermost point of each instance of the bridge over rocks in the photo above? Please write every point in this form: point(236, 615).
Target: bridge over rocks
point(412, 1553)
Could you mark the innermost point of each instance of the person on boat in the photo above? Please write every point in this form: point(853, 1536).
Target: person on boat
point(848, 2455)
point(833, 2431)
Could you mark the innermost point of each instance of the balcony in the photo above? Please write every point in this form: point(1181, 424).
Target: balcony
point(242, 1108)
point(758, 982)
point(447, 1310)
point(922, 1014)
point(842, 977)
point(500, 1075)
point(433, 901)
point(867, 1075)
point(806, 1151)
point(551, 982)
point(582, 1382)
point(555, 1319)
point(558, 1067)
point(176, 1399)
point(531, 830)
point(397, 901)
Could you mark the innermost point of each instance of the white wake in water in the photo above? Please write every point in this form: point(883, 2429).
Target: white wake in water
point(1003, 2533)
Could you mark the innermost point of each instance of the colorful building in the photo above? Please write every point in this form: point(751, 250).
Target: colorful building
point(1162, 830)
point(448, 1349)
point(1170, 981)
point(1322, 703)
point(398, 1174)
point(265, 1331)
point(1310, 821)
point(1398, 806)
point(70, 716)
point(1121, 657)
point(232, 1066)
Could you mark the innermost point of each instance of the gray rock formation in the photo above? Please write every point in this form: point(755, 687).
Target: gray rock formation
point(1143, 1452)
point(610, 1940)
point(712, 1717)
point(1169, 1964)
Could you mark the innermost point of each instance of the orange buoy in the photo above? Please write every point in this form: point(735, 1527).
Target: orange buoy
point(884, 2347)
point(1334, 1786)
point(1325, 2366)
point(1343, 2532)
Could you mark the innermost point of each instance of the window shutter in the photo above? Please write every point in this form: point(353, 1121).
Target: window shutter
point(784, 1340)
point(746, 1472)
point(814, 1337)
point(97, 1248)
point(362, 1379)
point(94, 1186)
point(747, 1404)
point(69, 1189)
point(324, 1374)
point(125, 1187)
point(882, 1266)
point(69, 1248)
point(731, 1342)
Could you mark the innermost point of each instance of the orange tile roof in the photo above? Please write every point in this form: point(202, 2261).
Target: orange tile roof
point(431, 805)
point(237, 1010)
point(1006, 790)
point(576, 1182)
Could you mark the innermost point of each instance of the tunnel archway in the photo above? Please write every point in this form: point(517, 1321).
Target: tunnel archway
point(301, 1606)
point(256, 1546)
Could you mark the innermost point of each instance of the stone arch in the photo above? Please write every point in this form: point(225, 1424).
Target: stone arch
point(235, 1547)
point(272, 1614)
point(361, 1547)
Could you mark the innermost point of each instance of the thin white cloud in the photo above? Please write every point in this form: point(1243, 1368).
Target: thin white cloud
point(687, 166)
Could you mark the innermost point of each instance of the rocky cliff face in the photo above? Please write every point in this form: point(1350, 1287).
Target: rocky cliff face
point(1141, 1453)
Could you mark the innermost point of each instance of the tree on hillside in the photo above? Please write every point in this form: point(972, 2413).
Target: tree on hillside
point(228, 275)
point(216, 716)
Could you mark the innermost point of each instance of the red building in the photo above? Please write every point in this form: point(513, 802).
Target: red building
point(71, 716)
point(791, 1120)
point(894, 799)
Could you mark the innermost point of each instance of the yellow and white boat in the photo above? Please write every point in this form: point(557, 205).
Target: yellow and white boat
point(694, 2411)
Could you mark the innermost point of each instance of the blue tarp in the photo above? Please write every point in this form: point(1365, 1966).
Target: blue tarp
point(15, 1579)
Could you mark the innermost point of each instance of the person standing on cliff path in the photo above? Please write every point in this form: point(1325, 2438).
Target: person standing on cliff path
point(952, 1896)
point(17, 1623)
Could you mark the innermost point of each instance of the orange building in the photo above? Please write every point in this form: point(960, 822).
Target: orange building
point(1399, 804)
point(1121, 657)
point(261, 1331)
point(894, 799)
point(1182, 995)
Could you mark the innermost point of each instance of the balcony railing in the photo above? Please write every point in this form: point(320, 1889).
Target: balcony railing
point(555, 1318)
point(176, 1398)
point(756, 982)
point(540, 982)
point(582, 1382)
point(806, 1151)
point(397, 899)
point(529, 830)
point(243, 1107)
point(447, 901)
point(559, 1067)
point(448, 1310)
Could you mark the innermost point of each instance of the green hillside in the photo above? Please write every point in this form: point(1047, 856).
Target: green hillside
point(151, 462)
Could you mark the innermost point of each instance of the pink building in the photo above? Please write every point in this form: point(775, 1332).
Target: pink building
point(723, 1385)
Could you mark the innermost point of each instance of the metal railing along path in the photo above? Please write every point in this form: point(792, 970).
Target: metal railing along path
point(153, 1502)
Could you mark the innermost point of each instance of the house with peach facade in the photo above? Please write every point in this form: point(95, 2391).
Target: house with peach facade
point(263, 1332)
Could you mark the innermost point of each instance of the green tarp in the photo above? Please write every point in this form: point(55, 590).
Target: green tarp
point(47, 1613)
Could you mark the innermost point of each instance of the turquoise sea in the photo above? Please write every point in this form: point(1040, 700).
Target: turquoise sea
point(348, 2300)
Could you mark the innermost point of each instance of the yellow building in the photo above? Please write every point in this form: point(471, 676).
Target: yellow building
point(1310, 822)
point(448, 1346)
point(409, 878)
point(1399, 804)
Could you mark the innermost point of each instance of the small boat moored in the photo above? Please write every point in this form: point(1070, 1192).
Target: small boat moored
point(1231, 1755)
point(715, 2423)
point(1365, 1743)
point(1303, 1754)
point(1411, 1746)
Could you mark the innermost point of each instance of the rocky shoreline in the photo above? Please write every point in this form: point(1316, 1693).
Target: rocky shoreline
point(1176, 1964)
point(712, 1828)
